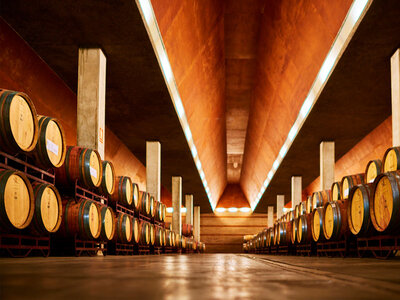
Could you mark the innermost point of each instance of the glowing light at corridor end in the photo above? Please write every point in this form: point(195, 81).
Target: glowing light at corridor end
point(153, 31)
point(349, 25)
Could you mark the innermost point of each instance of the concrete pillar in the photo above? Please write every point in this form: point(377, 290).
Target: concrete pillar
point(395, 76)
point(176, 204)
point(327, 164)
point(153, 169)
point(296, 190)
point(270, 216)
point(196, 223)
point(91, 99)
point(280, 203)
point(189, 209)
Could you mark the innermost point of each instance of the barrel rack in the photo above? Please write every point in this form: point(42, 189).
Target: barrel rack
point(116, 248)
point(343, 248)
point(308, 249)
point(21, 244)
point(381, 246)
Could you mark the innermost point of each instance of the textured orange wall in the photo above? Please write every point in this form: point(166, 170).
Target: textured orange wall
point(193, 34)
point(21, 69)
point(372, 146)
point(295, 37)
point(233, 197)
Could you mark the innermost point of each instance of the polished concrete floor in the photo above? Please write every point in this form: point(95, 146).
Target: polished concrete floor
point(205, 276)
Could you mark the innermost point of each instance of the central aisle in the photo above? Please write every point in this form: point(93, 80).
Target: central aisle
point(202, 276)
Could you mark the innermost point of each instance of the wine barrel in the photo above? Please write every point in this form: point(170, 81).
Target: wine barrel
point(178, 241)
point(270, 237)
point(50, 148)
point(123, 228)
point(281, 238)
point(276, 233)
point(183, 242)
point(289, 231)
point(159, 212)
point(80, 218)
point(152, 231)
point(317, 218)
point(135, 230)
point(291, 215)
point(336, 191)
point(335, 224)
point(81, 164)
point(358, 212)
point(17, 204)
point(123, 193)
point(107, 185)
point(48, 209)
point(145, 203)
point(164, 211)
point(297, 211)
point(264, 238)
point(152, 206)
point(309, 205)
point(373, 169)
point(169, 242)
point(144, 229)
point(187, 230)
point(348, 182)
point(19, 128)
point(173, 238)
point(304, 234)
point(385, 205)
point(107, 223)
point(302, 208)
point(391, 160)
point(293, 233)
point(320, 198)
point(136, 197)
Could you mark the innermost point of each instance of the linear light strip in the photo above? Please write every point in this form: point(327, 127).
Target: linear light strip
point(349, 25)
point(146, 10)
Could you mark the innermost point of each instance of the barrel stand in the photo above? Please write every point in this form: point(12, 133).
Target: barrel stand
point(142, 250)
point(308, 249)
point(77, 247)
point(19, 243)
point(156, 250)
point(342, 248)
point(381, 247)
point(121, 249)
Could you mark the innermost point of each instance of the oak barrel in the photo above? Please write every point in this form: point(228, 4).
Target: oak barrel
point(293, 233)
point(19, 128)
point(135, 230)
point(159, 239)
point(183, 242)
point(348, 182)
point(335, 223)
point(80, 164)
point(358, 214)
point(135, 199)
point(123, 193)
point(144, 229)
point(50, 148)
point(48, 209)
point(168, 234)
point(107, 223)
point(107, 185)
point(80, 218)
point(281, 238)
point(320, 198)
point(373, 169)
point(336, 191)
point(123, 228)
point(317, 218)
point(17, 205)
point(385, 204)
point(152, 206)
point(178, 240)
point(145, 203)
point(304, 234)
point(309, 205)
point(187, 230)
point(391, 159)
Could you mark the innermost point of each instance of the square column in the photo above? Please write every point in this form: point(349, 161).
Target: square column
point(280, 203)
point(296, 190)
point(270, 216)
point(153, 169)
point(91, 105)
point(196, 223)
point(326, 164)
point(189, 209)
point(176, 204)
point(395, 80)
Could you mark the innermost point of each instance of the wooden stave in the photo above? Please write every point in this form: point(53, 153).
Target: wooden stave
point(304, 234)
point(377, 163)
point(281, 239)
point(5, 223)
point(7, 140)
point(340, 224)
point(121, 195)
point(352, 180)
point(37, 226)
point(293, 233)
point(321, 236)
point(309, 206)
point(187, 230)
point(152, 207)
point(120, 228)
point(103, 235)
point(144, 205)
point(366, 228)
point(168, 234)
point(158, 237)
point(289, 229)
point(135, 237)
point(103, 186)
point(74, 169)
point(394, 224)
point(302, 208)
point(135, 196)
point(144, 230)
point(152, 234)
point(74, 217)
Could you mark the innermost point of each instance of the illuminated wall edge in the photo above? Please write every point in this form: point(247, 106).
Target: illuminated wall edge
point(149, 19)
point(352, 20)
